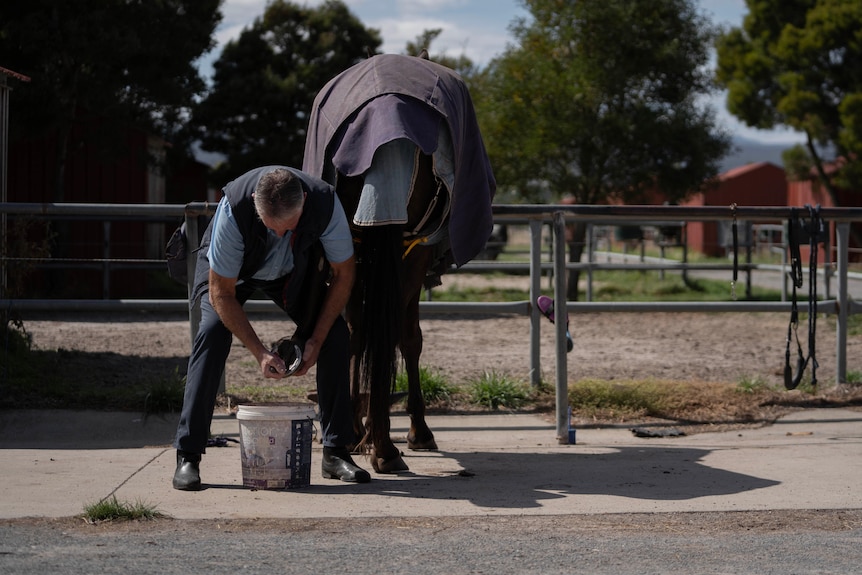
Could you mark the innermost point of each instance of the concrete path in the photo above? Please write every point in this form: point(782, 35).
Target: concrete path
point(57, 462)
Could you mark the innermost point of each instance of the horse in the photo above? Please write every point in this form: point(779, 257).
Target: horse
point(398, 138)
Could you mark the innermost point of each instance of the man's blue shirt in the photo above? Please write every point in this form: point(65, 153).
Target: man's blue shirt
point(226, 247)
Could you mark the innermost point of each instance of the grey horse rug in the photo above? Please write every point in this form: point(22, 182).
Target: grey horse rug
point(392, 97)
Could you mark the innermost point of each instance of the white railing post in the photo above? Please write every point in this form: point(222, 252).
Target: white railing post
point(535, 292)
point(843, 239)
point(560, 313)
point(192, 235)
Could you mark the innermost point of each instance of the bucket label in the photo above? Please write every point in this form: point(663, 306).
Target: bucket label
point(276, 454)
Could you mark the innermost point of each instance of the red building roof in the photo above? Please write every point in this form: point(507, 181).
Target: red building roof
point(13, 74)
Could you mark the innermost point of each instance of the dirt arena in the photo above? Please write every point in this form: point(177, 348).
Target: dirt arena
point(714, 347)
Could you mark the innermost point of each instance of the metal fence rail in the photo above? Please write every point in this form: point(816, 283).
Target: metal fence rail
point(536, 216)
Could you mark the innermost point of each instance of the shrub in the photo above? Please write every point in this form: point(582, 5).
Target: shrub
point(166, 394)
point(432, 383)
point(495, 390)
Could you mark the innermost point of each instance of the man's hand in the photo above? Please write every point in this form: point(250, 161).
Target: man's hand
point(272, 366)
point(309, 356)
point(289, 351)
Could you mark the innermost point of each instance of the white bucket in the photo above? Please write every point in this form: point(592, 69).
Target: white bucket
point(275, 445)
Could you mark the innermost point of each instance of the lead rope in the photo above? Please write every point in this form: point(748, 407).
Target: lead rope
point(815, 230)
point(796, 280)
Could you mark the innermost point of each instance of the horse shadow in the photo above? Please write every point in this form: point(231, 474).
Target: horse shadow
point(508, 480)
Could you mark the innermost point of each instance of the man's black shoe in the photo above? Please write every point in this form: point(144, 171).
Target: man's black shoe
point(187, 477)
point(337, 464)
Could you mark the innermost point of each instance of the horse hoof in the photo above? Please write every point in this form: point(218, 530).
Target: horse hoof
point(426, 445)
point(394, 465)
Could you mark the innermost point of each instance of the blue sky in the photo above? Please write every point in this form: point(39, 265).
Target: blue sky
point(477, 28)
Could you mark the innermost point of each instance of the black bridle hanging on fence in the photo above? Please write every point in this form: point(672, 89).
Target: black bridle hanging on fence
point(815, 231)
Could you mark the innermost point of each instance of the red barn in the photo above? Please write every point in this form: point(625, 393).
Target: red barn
point(812, 192)
point(134, 168)
point(757, 184)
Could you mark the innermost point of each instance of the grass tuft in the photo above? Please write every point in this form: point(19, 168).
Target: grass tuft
point(752, 385)
point(113, 510)
point(622, 398)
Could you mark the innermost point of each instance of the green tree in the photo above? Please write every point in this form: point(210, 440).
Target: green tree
point(598, 101)
point(797, 64)
point(265, 82)
point(121, 61)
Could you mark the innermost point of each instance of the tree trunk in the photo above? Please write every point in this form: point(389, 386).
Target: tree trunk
point(575, 239)
point(827, 182)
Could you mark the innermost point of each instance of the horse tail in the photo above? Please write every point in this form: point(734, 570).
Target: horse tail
point(379, 280)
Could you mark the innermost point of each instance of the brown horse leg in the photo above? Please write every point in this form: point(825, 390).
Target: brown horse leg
point(416, 264)
point(378, 280)
point(372, 434)
point(385, 457)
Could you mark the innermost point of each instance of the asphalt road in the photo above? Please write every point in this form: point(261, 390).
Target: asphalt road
point(763, 543)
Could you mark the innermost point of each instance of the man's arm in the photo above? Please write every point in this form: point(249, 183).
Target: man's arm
point(223, 299)
point(343, 275)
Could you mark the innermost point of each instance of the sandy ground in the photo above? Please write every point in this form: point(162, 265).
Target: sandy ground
point(719, 347)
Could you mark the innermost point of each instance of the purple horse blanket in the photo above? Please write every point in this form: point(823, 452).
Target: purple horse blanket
point(348, 123)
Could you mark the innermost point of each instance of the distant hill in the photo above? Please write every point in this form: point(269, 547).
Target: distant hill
point(747, 151)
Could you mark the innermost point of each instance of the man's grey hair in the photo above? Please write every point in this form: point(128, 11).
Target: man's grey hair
point(278, 194)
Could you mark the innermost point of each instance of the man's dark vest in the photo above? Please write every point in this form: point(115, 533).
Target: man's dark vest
point(316, 215)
